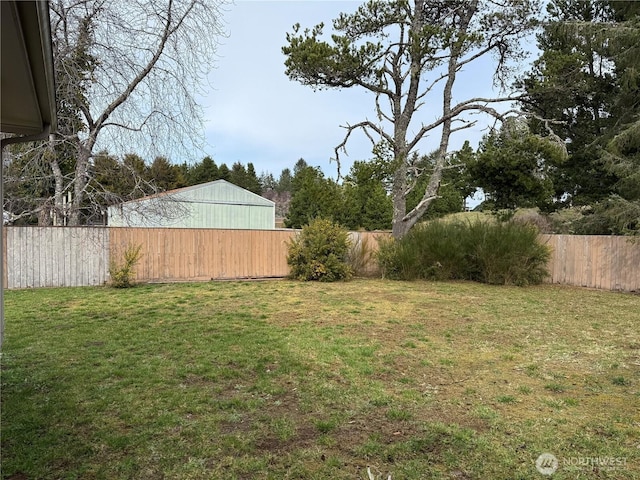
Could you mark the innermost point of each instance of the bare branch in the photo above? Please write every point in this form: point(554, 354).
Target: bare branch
point(468, 105)
point(364, 126)
point(127, 73)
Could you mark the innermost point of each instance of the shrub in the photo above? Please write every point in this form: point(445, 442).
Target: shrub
point(320, 252)
point(508, 254)
point(498, 253)
point(122, 270)
point(436, 250)
point(613, 216)
point(532, 217)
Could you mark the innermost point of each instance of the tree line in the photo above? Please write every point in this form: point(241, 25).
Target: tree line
point(584, 90)
point(570, 141)
point(363, 200)
point(112, 180)
point(565, 137)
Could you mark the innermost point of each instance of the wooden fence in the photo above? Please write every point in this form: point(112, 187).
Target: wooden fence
point(55, 257)
point(170, 254)
point(50, 256)
point(179, 254)
point(605, 262)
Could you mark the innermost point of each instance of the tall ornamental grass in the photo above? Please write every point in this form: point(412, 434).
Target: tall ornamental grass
point(496, 253)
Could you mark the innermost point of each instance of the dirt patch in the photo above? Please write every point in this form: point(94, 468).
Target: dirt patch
point(306, 435)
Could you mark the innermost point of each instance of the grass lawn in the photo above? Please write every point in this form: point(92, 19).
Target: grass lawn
point(287, 380)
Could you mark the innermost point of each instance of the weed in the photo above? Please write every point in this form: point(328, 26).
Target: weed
point(360, 257)
point(325, 426)
point(283, 428)
point(555, 387)
point(620, 381)
point(381, 401)
point(122, 266)
point(399, 415)
point(486, 413)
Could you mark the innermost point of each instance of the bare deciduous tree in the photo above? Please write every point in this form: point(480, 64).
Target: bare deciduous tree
point(128, 74)
point(409, 55)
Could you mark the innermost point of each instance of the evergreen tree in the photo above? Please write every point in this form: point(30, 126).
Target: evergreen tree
point(366, 202)
point(586, 86)
point(285, 181)
point(165, 175)
point(238, 175)
point(185, 174)
point(203, 172)
point(110, 174)
point(313, 196)
point(267, 181)
point(577, 87)
point(253, 182)
point(223, 172)
point(513, 166)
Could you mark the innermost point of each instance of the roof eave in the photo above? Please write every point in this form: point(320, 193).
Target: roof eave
point(27, 69)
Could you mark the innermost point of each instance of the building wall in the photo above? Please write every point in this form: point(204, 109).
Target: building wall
point(190, 214)
point(217, 204)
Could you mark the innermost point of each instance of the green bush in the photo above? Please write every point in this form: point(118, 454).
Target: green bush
point(613, 216)
point(320, 252)
point(509, 254)
point(435, 251)
point(122, 270)
point(497, 253)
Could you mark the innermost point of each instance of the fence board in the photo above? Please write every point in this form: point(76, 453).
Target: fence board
point(56, 256)
point(605, 262)
point(170, 254)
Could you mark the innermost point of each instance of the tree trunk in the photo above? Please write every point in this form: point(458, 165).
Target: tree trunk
point(44, 216)
point(58, 208)
point(402, 225)
point(81, 176)
point(398, 229)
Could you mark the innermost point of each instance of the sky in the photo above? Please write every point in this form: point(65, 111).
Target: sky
point(254, 113)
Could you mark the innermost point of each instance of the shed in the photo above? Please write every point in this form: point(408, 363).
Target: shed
point(217, 204)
